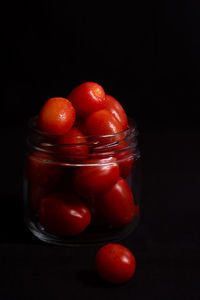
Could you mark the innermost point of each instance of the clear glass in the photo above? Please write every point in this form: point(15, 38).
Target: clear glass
point(102, 172)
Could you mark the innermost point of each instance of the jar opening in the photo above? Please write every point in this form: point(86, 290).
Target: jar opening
point(100, 146)
point(130, 130)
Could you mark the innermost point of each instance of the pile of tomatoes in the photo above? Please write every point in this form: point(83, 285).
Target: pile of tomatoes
point(67, 199)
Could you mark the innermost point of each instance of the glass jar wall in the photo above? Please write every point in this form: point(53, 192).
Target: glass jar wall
point(83, 193)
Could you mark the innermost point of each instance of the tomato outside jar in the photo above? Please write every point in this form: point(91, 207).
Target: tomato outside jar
point(85, 192)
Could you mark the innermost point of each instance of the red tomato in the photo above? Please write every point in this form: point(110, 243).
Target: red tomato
point(74, 137)
point(57, 116)
point(125, 167)
point(117, 205)
point(87, 98)
point(40, 171)
point(117, 110)
point(126, 163)
point(124, 157)
point(115, 263)
point(63, 214)
point(90, 181)
point(102, 122)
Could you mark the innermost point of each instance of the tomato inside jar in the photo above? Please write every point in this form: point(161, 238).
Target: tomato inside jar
point(81, 184)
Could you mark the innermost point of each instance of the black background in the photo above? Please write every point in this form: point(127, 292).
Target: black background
point(146, 54)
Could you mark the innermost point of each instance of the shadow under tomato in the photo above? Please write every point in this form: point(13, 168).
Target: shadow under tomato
point(91, 277)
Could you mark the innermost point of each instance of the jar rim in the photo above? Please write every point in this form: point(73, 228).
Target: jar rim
point(131, 130)
point(112, 144)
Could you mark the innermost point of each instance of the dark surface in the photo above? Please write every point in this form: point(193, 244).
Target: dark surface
point(147, 56)
point(166, 243)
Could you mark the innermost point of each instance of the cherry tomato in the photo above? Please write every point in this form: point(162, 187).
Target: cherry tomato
point(90, 181)
point(102, 122)
point(40, 170)
point(57, 116)
point(63, 214)
point(125, 162)
point(117, 205)
point(87, 98)
point(124, 157)
point(76, 148)
point(115, 263)
point(117, 110)
point(125, 167)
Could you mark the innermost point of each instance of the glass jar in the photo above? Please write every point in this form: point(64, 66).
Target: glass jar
point(84, 193)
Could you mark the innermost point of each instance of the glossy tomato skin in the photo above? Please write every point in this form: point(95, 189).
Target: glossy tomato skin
point(125, 158)
point(87, 98)
point(63, 214)
point(125, 167)
point(117, 205)
point(102, 122)
point(91, 181)
point(115, 263)
point(125, 162)
point(57, 116)
point(72, 150)
point(40, 171)
point(117, 111)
